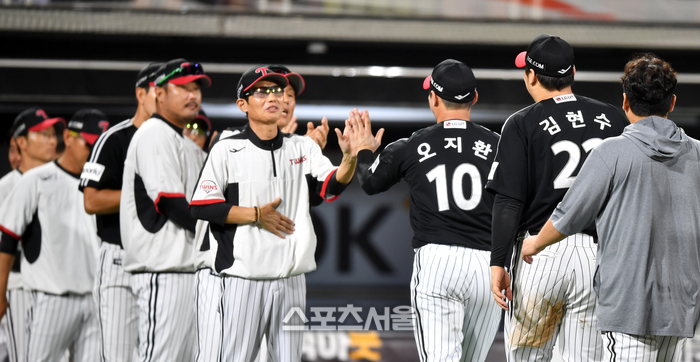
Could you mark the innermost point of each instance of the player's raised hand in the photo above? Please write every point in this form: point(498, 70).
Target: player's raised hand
point(529, 249)
point(273, 221)
point(361, 136)
point(318, 134)
point(500, 286)
point(291, 127)
point(344, 140)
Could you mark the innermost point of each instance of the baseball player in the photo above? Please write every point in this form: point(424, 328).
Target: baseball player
point(288, 122)
point(157, 229)
point(643, 191)
point(445, 166)
point(542, 147)
point(35, 139)
point(60, 247)
point(101, 182)
point(253, 191)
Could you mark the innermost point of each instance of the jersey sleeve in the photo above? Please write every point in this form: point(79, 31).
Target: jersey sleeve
point(18, 209)
point(323, 171)
point(213, 178)
point(586, 197)
point(159, 167)
point(379, 174)
point(105, 163)
point(508, 175)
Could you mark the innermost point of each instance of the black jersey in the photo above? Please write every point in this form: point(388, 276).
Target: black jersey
point(445, 166)
point(104, 171)
point(541, 151)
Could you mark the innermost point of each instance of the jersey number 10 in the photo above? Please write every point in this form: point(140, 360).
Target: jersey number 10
point(439, 175)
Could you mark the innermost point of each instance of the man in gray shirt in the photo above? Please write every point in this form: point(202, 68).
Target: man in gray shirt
point(643, 191)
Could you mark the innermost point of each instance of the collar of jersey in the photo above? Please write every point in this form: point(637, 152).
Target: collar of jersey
point(75, 175)
point(177, 129)
point(273, 144)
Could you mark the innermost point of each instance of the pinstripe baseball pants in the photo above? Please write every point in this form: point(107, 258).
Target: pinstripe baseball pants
point(117, 311)
point(207, 297)
point(628, 348)
point(166, 316)
point(253, 308)
point(15, 323)
point(60, 323)
point(553, 297)
point(456, 319)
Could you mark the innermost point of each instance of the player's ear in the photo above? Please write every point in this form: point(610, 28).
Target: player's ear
point(21, 142)
point(434, 101)
point(574, 73)
point(476, 97)
point(141, 94)
point(673, 104)
point(625, 102)
point(242, 105)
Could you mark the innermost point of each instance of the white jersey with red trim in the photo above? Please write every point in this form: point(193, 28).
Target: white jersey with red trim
point(59, 240)
point(160, 163)
point(7, 183)
point(243, 170)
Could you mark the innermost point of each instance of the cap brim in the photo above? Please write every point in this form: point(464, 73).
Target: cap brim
point(89, 137)
point(520, 60)
point(297, 82)
point(426, 82)
point(204, 79)
point(46, 124)
point(278, 78)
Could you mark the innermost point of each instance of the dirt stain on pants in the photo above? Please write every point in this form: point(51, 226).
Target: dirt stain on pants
point(536, 322)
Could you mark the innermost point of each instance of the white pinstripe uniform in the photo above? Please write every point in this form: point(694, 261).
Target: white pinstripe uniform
point(60, 250)
point(14, 321)
point(554, 295)
point(160, 164)
point(626, 347)
point(207, 297)
point(116, 302)
point(261, 282)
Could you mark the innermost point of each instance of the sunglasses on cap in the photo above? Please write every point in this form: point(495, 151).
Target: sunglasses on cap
point(183, 70)
point(264, 92)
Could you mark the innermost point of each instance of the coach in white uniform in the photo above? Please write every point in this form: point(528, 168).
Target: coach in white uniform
point(35, 137)
point(101, 183)
point(157, 229)
point(60, 248)
point(253, 190)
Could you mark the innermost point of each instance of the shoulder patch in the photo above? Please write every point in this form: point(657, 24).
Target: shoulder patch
point(564, 98)
point(92, 171)
point(455, 124)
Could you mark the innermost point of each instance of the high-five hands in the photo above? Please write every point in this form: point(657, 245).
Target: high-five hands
point(358, 133)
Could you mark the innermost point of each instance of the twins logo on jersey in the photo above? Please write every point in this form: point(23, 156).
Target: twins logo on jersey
point(208, 186)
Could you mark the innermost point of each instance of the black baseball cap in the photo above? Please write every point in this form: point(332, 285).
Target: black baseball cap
point(548, 55)
point(147, 75)
point(202, 120)
point(89, 123)
point(33, 119)
point(294, 79)
point(180, 72)
point(452, 81)
point(257, 74)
